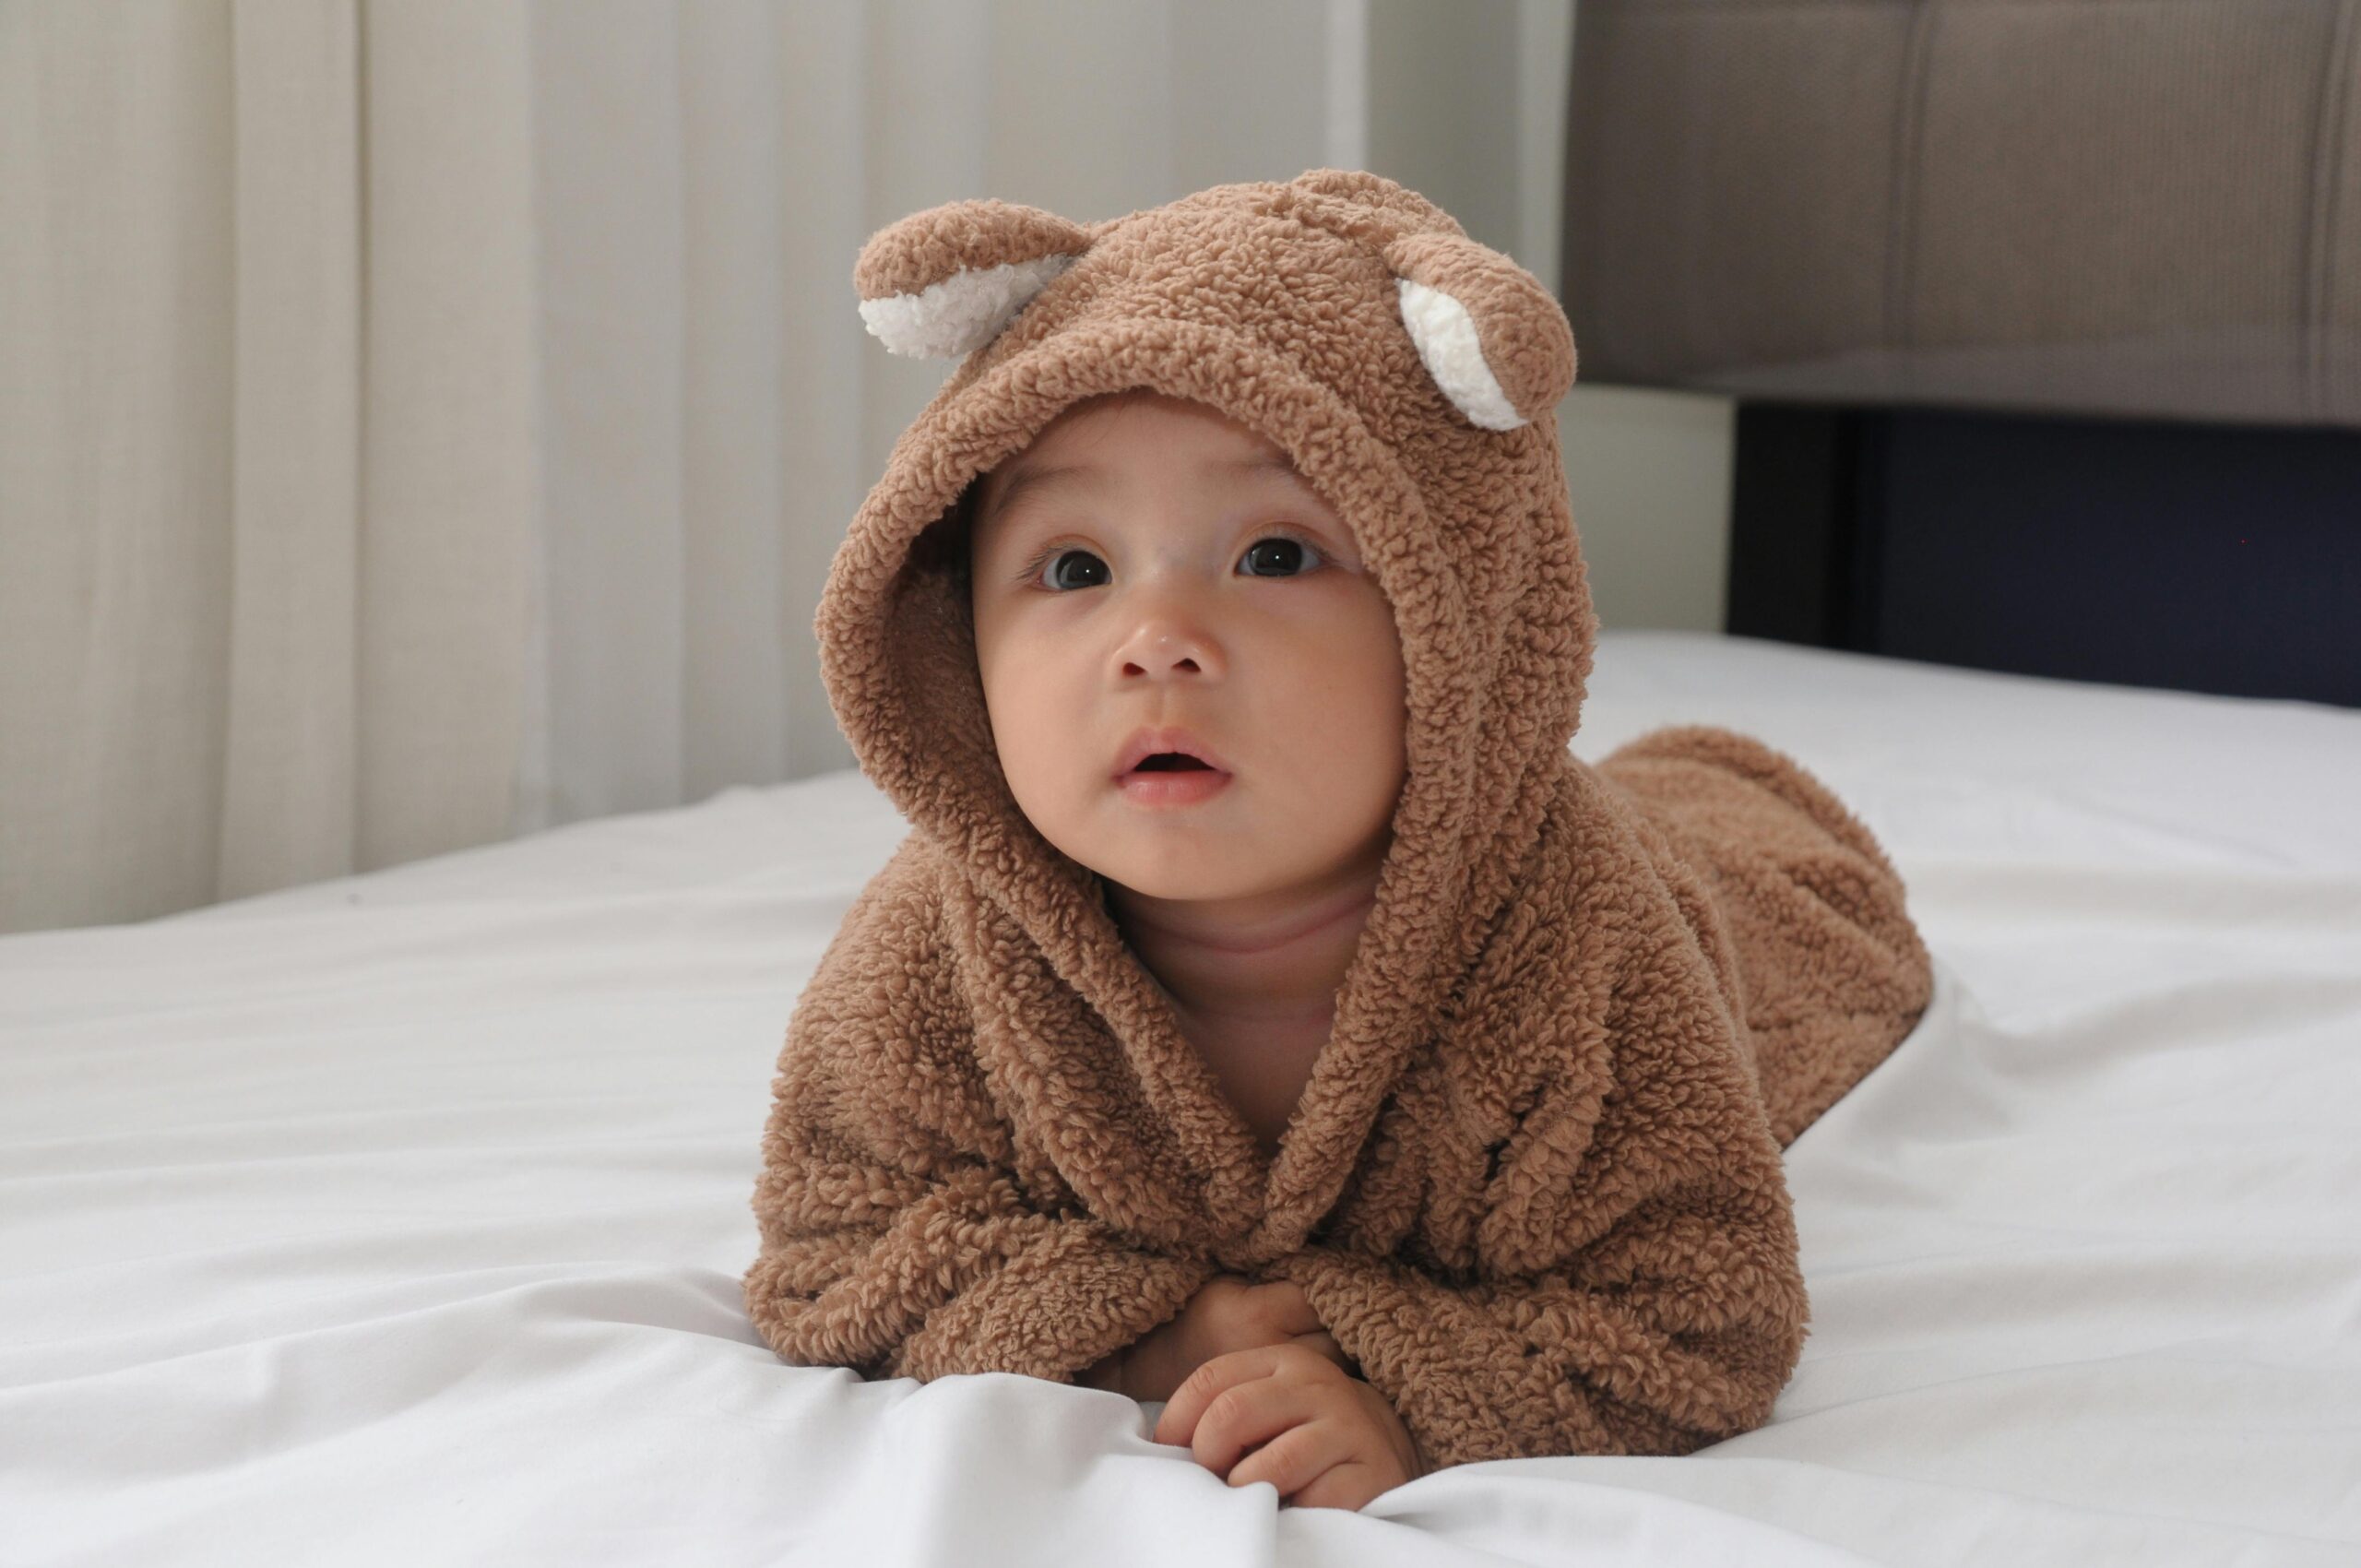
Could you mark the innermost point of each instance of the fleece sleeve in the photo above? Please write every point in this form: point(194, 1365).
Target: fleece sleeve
point(1637, 1288)
point(1533, 1367)
point(896, 1238)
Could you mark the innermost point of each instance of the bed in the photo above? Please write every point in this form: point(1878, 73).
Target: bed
point(400, 1218)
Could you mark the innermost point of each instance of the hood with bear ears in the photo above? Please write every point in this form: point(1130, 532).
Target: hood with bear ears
point(1413, 374)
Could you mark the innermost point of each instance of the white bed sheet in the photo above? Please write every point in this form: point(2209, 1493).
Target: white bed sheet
point(399, 1218)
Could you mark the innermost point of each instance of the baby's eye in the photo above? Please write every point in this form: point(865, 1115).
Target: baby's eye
point(1060, 558)
point(1292, 552)
point(1284, 554)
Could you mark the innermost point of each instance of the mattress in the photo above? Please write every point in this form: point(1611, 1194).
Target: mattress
point(401, 1218)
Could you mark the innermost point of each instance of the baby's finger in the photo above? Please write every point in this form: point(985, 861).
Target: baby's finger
point(1348, 1484)
point(1207, 1382)
point(1247, 1413)
point(1292, 1460)
point(1325, 1343)
point(1289, 1312)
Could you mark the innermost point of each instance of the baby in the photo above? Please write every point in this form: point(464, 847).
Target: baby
point(1267, 1013)
point(1196, 691)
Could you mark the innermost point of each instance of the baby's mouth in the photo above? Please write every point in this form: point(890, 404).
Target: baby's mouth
point(1172, 780)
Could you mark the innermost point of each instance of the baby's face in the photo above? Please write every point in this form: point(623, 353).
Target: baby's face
point(1180, 572)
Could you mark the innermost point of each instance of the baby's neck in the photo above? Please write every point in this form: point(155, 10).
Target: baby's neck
point(1271, 964)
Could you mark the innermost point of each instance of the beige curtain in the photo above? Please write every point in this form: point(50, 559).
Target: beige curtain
point(425, 422)
point(420, 424)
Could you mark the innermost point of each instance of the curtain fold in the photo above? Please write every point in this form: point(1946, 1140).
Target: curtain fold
point(115, 457)
point(290, 737)
point(406, 438)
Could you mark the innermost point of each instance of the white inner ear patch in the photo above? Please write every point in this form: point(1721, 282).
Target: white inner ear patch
point(964, 312)
point(1445, 335)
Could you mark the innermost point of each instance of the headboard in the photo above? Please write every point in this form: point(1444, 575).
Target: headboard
point(2043, 318)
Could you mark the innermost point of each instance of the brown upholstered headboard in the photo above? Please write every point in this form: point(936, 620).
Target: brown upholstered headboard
point(2044, 317)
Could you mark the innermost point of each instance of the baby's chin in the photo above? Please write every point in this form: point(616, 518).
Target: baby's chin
point(1200, 875)
point(1219, 862)
point(1197, 885)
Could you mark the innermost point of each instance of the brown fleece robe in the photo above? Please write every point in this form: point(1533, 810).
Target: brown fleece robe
point(1534, 1186)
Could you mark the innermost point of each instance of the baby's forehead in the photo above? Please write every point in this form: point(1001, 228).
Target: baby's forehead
point(1243, 462)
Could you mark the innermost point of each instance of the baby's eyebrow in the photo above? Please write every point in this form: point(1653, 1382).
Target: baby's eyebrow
point(1277, 461)
point(1026, 479)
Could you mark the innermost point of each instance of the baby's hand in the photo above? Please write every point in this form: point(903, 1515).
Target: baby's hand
point(1328, 1440)
point(1229, 1312)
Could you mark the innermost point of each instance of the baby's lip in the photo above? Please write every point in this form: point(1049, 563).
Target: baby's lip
point(1148, 740)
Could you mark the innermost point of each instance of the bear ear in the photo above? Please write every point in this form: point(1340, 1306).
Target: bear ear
point(1496, 341)
point(940, 283)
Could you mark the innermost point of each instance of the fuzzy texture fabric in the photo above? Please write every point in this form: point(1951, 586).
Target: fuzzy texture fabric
point(1534, 1186)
